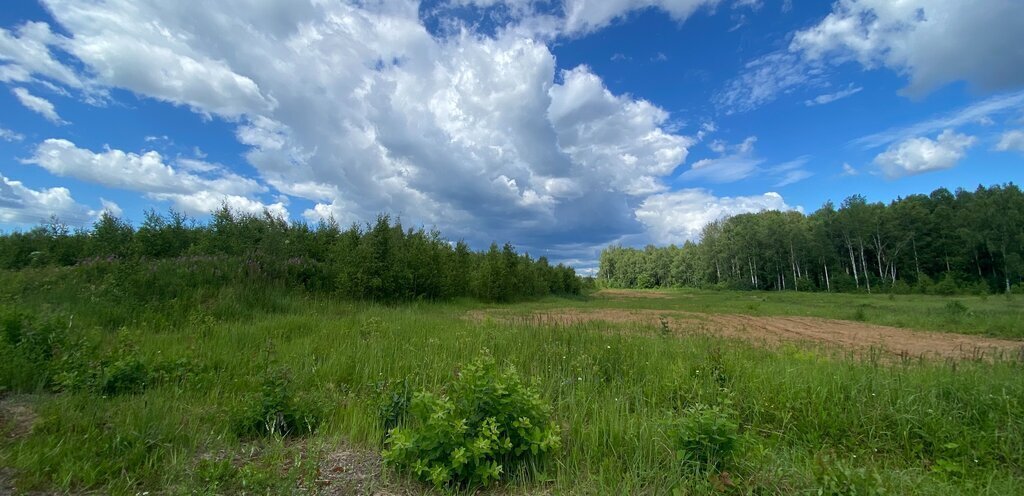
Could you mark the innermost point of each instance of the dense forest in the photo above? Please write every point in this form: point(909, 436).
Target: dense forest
point(940, 243)
point(379, 262)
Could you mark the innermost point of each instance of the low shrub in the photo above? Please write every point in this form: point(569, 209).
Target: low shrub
point(706, 436)
point(946, 287)
point(489, 425)
point(85, 367)
point(30, 350)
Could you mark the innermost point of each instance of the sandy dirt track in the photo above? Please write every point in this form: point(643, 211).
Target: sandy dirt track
point(771, 331)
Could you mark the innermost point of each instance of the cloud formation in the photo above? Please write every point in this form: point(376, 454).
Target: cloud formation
point(359, 109)
point(919, 155)
point(975, 113)
point(1012, 140)
point(913, 38)
point(20, 204)
point(149, 174)
point(10, 136)
point(38, 105)
point(738, 162)
point(679, 216)
point(827, 98)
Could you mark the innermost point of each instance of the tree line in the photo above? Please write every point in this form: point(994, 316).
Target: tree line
point(380, 262)
point(944, 243)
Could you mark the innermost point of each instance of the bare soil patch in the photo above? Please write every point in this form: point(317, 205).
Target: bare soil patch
point(352, 471)
point(16, 417)
point(773, 331)
point(348, 471)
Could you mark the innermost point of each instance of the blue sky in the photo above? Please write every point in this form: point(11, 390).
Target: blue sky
point(560, 125)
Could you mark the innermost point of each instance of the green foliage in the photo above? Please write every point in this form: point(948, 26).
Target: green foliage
point(31, 350)
point(946, 287)
point(85, 366)
point(901, 287)
point(969, 241)
point(383, 262)
point(956, 309)
point(277, 411)
point(706, 436)
point(838, 478)
point(488, 425)
point(393, 408)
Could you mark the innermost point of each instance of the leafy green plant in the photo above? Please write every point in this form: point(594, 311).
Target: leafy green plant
point(83, 367)
point(276, 411)
point(393, 407)
point(489, 424)
point(126, 374)
point(706, 436)
point(29, 349)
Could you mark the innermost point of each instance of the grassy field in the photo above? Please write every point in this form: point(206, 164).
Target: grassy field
point(809, 422)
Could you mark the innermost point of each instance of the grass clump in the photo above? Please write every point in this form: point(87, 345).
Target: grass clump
point(706, 436)
point(276, 411)
point(489, 425)
point(956, 309)
point(839, 478)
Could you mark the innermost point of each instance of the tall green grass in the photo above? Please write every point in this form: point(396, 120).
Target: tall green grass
point(807, 421)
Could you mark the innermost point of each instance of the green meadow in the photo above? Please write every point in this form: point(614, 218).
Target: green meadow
point(109, 392)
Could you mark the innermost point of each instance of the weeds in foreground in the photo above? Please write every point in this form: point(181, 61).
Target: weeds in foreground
point(706, 436)
point(489, 425)
point(277, 411)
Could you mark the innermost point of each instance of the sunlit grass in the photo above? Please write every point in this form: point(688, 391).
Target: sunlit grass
point(806, 419)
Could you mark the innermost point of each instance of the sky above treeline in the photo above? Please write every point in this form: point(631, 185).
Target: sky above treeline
point(562, 126)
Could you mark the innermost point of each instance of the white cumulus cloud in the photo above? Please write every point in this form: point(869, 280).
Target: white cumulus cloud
point(20, 204)
point(360, 109)
point(918, 155)
point(148, 173)
point(678, 216)
point(933, 42)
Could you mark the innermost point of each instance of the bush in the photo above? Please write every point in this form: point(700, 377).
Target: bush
point(489, 425)
point(706, 436)
point(946, 287)
point(925, 284)
point(956, 309)
point(84, 367)
point(30, 349)
point(901, 287)
point(275, 411)
point(125, 375)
